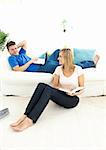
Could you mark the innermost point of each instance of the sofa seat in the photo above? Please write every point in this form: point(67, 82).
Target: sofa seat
point(22, 83)
point(94, 82)
point(94, 74)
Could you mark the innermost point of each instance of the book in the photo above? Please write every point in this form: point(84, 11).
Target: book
point(64, 90)
point(78, 89)
point(40, 61)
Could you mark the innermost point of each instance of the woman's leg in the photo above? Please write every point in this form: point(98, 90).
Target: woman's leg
point(36, 109)
point(64, 100)
point(18, 121)
point(34, 99)
point(56, 96)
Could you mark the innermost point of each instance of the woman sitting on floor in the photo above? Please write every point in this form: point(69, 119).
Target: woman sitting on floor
point(67, 77)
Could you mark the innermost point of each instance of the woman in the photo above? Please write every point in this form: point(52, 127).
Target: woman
point(66, 76)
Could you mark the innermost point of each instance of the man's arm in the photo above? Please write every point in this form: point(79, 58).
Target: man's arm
point(23, 67)
point(22, 44)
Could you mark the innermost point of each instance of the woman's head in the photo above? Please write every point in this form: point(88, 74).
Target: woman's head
point(66, 58)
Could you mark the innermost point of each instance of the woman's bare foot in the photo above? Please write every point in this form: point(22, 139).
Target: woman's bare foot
point(18, 122)
point(27, 122)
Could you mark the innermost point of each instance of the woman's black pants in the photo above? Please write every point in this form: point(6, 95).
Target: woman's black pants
point(41, 96)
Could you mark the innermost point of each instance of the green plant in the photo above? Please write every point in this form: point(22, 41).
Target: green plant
point(3, 38)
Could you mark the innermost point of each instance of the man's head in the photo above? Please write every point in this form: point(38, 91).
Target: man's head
point(12, 48)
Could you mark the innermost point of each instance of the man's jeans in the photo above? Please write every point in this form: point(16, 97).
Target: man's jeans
point(51, 63)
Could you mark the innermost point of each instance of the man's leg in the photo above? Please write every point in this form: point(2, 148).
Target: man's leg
point(49, 67)
point(51, 63)
point(54, 56)
point(86, 64)
point(96, 59)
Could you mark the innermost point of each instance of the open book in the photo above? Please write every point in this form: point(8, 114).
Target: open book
point(78, 89)
point(40, 61)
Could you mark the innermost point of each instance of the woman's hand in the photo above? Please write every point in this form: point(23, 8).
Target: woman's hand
point(76, 93)
point(70, 94)
point(55, 81)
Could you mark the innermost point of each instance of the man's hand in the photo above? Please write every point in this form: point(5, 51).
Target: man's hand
point(33, 60)
point(23, 45)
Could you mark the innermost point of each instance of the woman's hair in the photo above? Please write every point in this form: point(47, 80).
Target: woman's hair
point(68, 59)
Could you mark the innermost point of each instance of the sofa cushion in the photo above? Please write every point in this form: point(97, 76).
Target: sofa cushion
point(81, 55)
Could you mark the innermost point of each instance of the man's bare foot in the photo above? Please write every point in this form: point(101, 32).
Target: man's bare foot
point(96, 59)
point(27, 122)
point(18, 122)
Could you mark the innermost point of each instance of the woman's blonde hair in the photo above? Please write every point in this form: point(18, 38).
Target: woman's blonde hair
point(68, 59)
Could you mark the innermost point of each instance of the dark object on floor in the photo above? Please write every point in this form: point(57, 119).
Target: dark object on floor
point(4, 112)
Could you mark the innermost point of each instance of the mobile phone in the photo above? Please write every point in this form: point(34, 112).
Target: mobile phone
point(4, 112)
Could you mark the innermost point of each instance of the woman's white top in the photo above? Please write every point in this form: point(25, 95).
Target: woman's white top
point(70, 82)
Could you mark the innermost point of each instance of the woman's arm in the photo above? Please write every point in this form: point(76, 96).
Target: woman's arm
point(81, 80)
point(55, 81)
point(80, 84)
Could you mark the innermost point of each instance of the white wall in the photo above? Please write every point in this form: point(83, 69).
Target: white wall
point(39, 22)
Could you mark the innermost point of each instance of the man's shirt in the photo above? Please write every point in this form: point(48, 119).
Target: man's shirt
point(22, 59)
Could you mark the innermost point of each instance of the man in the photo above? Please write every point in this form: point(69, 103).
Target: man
point(19, 61)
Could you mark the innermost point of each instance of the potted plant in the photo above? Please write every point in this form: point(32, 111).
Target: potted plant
point(3, 39)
